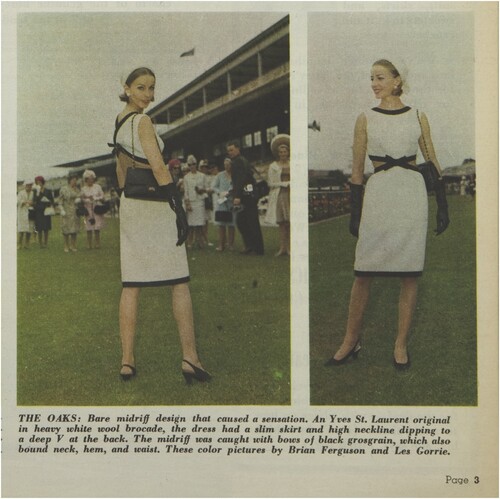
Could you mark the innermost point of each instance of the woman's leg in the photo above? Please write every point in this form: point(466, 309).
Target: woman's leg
point(282, 233)
point(89, 239)
point(200, 238)
point(287, 237)
point(28, 237)
point(222, 238)
point(205, 234)
point(128, 319)
point(97, 239)
point(73, 242)
point(66, 242)
point(189, 242)
point(359, 299)
point(20, 237)
point(284, 228)
point(230, 237)
point(407, 302)
point(183, 314)
point(45, 238)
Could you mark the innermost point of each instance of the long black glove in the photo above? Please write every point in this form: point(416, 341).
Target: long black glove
point(442, 218)
point(174, 200)
point(356, 206)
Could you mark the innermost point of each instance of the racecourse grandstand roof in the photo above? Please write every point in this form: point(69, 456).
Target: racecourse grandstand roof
point(244, 96)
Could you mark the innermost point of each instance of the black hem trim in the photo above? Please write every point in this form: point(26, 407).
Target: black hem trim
point(391, 111)
point(155, 284)
point(376, 273)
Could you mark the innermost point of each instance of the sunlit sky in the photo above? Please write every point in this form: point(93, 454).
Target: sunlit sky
point(436, 47)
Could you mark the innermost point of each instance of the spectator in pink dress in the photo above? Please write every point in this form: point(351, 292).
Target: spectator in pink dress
point(91, 193)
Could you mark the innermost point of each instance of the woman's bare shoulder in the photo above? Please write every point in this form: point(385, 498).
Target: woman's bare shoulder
point(145, 124)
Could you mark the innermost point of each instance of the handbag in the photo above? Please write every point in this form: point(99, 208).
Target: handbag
point(81, 211)
point(428, 169)
point(101, 208)
point(224, 216)
point(140, 183)
point(261, 189)
point(49, 211)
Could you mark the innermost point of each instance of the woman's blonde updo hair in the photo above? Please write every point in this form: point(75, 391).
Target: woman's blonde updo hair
point(132, 77)
point(395, 73)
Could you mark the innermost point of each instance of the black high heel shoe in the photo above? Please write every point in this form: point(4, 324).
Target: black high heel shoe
point(338, 362)
point(402, 367)
point(128, 376)
point(198, 374)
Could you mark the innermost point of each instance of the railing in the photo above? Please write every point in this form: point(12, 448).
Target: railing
point(237, 93)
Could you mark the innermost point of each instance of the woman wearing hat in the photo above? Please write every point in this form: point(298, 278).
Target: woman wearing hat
point(43, 199)
point(194, 200)
point(25, 224)
point(70, 221)
point(390, 221)
point(91, 195)
point(225, 217)
point(278, 178)
point(152, 233)
point(174, 167)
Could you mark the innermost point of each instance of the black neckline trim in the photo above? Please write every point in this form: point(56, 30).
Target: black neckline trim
point(391, 111)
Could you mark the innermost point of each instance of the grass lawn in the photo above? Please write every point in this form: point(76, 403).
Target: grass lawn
point(68, 346)
point(443, 335)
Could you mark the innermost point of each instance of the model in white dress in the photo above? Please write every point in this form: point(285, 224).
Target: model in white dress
point(152, 233)
point(391, 221)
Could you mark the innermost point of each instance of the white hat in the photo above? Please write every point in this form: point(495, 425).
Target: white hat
point(279, 140)
point(88, 174)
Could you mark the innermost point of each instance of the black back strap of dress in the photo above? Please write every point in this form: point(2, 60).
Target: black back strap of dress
point(118, 147)
point(389, 162)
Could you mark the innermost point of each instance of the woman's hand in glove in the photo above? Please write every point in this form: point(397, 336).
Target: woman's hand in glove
point(442, 218)
point(174, 200)
point(356, 208)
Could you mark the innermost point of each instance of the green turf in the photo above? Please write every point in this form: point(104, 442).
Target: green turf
point(443, 335)
point(68, 337)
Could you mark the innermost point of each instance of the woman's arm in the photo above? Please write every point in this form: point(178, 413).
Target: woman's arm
point(216, 184)
point(359, 150)
point(274, 176)
point(425, 142)
point(99, 192)
point(150, 147)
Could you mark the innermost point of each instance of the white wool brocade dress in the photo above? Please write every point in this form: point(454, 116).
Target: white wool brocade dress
point(148, 231)
point(393, 228)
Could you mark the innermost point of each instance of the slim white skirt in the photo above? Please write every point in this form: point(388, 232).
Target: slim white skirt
point(393, 228)
point(148, 252)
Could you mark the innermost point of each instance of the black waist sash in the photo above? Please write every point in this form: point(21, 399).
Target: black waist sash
point(389, 162)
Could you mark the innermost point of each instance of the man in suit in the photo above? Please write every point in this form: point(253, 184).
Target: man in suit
point(247, 219)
